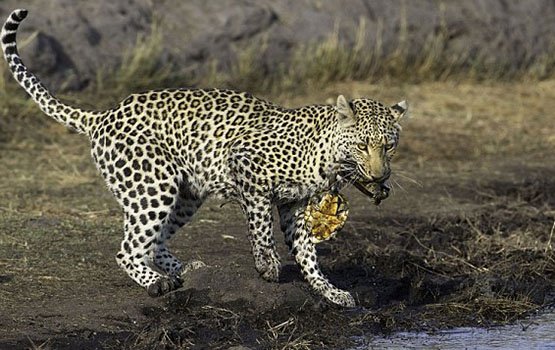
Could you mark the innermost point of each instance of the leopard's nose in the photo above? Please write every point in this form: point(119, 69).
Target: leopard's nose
point(381, 178)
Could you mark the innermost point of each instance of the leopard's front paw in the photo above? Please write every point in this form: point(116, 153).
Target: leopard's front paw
point(269, 267)
point(164, 285)
point(340, 297)
point(272, 272)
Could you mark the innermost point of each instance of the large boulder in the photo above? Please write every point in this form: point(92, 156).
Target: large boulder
point(69, 41)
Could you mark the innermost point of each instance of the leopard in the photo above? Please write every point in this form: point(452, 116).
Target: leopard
point(162, 153)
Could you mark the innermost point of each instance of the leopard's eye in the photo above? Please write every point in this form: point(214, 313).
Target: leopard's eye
point(389, 146)
point(362, 146)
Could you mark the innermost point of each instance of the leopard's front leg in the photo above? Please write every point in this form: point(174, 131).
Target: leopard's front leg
point(300, 246)
point(258, 210)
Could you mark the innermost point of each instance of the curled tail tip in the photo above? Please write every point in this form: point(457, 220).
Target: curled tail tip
point(9, 30)
point(19, 15)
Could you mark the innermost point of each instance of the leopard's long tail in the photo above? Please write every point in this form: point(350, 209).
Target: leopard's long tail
point(75, 118)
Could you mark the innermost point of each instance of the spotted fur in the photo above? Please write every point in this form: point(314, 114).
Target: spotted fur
point(162, 153)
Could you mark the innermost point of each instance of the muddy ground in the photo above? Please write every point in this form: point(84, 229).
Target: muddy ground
point(465, 239)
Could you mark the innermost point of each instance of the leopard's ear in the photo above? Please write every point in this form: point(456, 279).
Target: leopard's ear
point(345, 112)
point(401, 110)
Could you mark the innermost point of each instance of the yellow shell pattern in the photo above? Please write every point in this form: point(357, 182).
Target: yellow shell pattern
point(325, 215)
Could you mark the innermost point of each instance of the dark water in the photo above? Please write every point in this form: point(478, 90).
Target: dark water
point(534, 333)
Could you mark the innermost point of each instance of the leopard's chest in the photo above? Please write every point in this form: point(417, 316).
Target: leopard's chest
point(314, 180)
point(298, 191)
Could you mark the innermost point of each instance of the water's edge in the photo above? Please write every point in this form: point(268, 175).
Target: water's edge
point(537, 332)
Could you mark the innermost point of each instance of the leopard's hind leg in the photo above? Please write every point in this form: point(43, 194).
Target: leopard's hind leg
point(146, 185)
point(147, 224)
point(186, 206)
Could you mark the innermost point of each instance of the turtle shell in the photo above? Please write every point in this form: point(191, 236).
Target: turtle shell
point(325, 215)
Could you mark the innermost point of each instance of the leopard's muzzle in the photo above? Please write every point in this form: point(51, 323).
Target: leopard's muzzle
point(378, 191)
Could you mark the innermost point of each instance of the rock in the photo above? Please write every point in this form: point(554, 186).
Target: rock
point(50, 59)
point(78, 38)
point(90, 35)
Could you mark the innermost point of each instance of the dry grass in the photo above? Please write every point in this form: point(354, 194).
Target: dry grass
point(15, 107)
point(11, 99)
point(318, 64)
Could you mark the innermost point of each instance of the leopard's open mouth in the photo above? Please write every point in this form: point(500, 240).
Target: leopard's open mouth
point(378, 191)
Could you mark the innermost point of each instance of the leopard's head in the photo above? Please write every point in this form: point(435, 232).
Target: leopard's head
point(369, 135)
